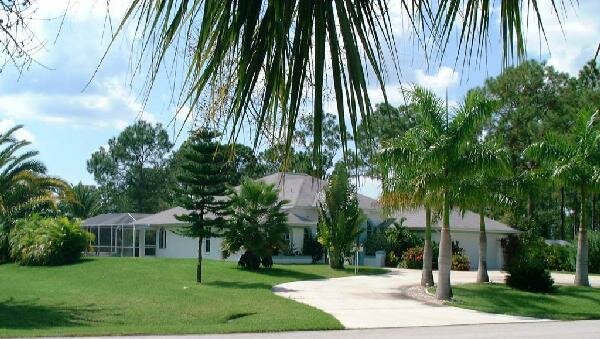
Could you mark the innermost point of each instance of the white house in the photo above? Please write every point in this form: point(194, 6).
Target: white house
point(125, 234)
point(464, 228)
point(157, 233)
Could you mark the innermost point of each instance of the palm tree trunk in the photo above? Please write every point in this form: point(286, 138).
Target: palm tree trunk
point(562, 213)
point(427, 272)
point(581, 267)
point(336, 261)
point(199, 266)
point(444, 290)
point(482, 273)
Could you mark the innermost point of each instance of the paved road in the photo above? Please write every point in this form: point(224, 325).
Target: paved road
point(556, 329)
point(377, 301)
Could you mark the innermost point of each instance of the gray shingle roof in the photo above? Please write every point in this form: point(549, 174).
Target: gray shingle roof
point(469, 222)
point(166, 217)
point(113, 219)
point(302, 190)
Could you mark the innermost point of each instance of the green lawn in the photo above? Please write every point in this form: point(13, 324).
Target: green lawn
point(154, 296)
point(567, 303)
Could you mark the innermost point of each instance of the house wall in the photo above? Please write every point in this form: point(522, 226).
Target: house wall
point(179, 246)
point(469, 241)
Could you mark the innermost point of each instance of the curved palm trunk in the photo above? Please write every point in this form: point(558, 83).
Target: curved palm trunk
point(199, 265)
point(482, 273)
point(581, 267)
point(427, 272)
point(444, 290)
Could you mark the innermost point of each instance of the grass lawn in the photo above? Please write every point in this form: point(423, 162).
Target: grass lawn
point(155, 296)
point(567, 303)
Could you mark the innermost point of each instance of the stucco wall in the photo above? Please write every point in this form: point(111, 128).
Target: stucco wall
point(185, 247)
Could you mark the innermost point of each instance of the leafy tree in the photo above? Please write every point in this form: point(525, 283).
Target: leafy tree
point(454, 155)
point(534, 100)
point(84, 203)
point(340, 217)
point(573, 162)
point(131, 172)
point(234, 43)
point(386, 123)
point(299, 156)
point(257, 224)
point(25, 188)
point(204, 187)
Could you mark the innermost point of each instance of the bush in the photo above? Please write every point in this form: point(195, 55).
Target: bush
point(312, 246)
point(48, 241)
point(376, 241)
point(412, 258)
point(594, 251)
point(528, 268)
point(560, 258)
point(460, 262)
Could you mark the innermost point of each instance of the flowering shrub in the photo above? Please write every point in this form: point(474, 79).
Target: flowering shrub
point(412, 258)
point(460, 262)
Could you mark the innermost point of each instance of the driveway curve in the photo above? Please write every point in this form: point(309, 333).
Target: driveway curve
point(379, 301)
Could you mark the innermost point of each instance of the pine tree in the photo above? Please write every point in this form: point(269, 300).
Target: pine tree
point(204, 184)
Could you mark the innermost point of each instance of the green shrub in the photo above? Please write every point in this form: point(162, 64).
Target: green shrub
point(560, 258)
point(528, 268)
point(412, 258)
point(48, 241)
point(460, 262)
point(311, 246)
point(376, 241)
point(594, 251)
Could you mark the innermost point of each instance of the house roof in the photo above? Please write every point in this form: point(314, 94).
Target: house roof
point(113, 219)
point(467, 222)
point(166, 217)
point(303, 190)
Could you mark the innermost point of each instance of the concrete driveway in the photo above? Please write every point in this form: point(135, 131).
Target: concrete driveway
point(378, 301)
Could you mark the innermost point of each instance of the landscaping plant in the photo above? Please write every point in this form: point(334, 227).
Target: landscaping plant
point(48, 241)
point(527, 267)
point(340, 217)
point(257, 224)
point(312, 246)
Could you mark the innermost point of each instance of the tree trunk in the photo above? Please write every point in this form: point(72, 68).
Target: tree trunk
point(199, 266)
point(444, 290)
point(482, 273)
point(562, 213)
point(336, 261)
point(581, 266)
point(427, 272)
point(593, 223)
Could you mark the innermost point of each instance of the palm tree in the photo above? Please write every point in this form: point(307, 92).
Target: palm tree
point(24, 185)
point(408, 186)
point(340, 217)
point(272, 52)
point(447, 152)
point(257, 224)
point(573, 162)
point(85, 202)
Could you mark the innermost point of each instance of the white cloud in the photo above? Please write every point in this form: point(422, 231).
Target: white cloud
point(21, 134)
point(369, 186)
point(571, 45)
point(446, 77)
point(111, 105)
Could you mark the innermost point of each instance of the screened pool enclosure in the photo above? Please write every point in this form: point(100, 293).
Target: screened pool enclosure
point(116, 234)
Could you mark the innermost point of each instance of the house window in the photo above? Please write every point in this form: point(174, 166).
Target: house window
point(207, 245)
point(162, 238)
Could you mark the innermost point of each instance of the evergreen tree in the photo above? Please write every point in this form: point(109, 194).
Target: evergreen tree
point(204, 185)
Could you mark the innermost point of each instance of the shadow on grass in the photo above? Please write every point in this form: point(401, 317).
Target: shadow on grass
point(238, 285)
point(566, 303)
point(30, 315)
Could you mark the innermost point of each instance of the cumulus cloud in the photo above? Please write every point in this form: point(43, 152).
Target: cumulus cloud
point(446, 77)
point(571, 43)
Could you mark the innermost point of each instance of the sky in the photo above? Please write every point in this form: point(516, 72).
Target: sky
point(67, 120)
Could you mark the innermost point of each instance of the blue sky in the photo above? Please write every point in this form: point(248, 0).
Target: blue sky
point(67, 123)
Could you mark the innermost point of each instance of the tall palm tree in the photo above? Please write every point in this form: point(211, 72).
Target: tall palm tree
point(408, 186)
point(574, 162)
point(448, 151)
point(273, 53)
point(85, 201)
